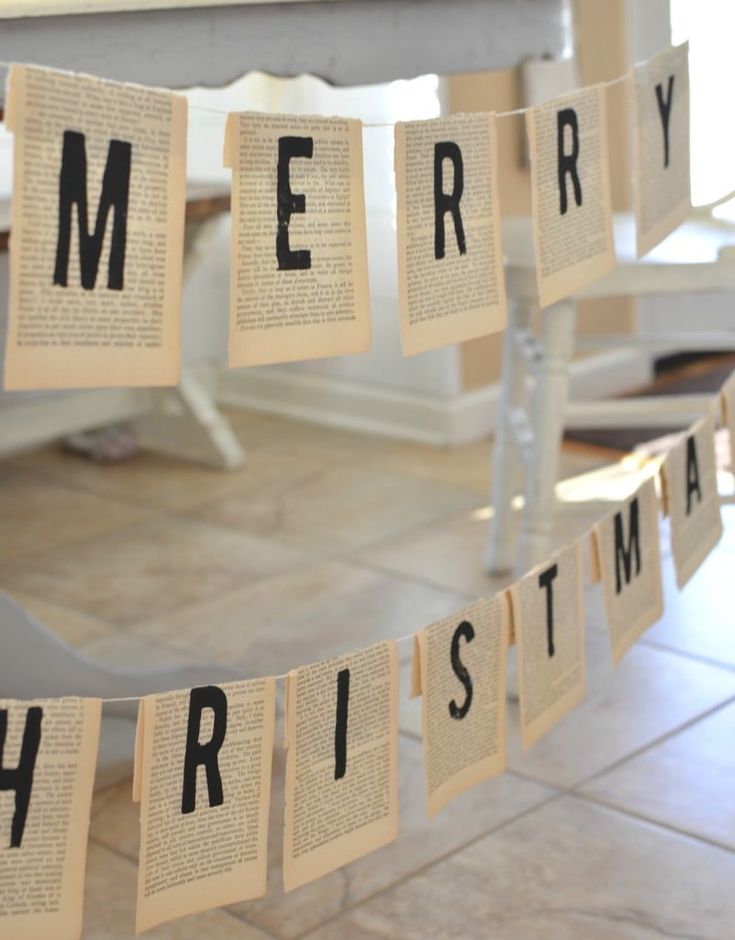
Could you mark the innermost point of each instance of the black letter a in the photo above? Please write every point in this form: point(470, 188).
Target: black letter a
point(206, 696)
point(73, 190)
point(21, 779)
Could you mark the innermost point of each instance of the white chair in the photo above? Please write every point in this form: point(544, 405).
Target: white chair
point(699, 257)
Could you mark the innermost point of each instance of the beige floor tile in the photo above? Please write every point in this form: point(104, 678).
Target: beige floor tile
point(419, 842)
point(700, 619)
point(685, 782)
point(73, 626)
point(311, 613)
point(466, 466)
point(146, 569)
point(567, 871)
point(110, 907)
point(304, 439)
point(124, 649)
point(115, 819)
point(469, 465)
point(343, 507)
point(39, 514)
point(449, 552)
point(163, 482)
point(651, 693)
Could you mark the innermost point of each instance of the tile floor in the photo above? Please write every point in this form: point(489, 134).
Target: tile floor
point(620, 824)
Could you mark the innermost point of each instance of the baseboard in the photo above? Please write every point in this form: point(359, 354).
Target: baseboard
point(611, 373)
point(393, 412)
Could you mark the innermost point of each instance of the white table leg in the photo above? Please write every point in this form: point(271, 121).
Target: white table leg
point(499, 553)
point(549, 398)
point(185, 422)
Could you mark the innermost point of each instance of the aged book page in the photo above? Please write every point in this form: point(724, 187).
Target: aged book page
point(205, 786)
point(451, 285)
point(548, 618)
point(727, 404)
point(299, 276)
point(48, 748)
point(342, 762)
point(463, 665)
point(628, 554)
point(659, 94)
point(96, 248)
point(691, 498)
point(570, 193)
point(138, 759)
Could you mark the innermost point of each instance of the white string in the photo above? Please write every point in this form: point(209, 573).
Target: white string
point(498, 114)
point(201, 107)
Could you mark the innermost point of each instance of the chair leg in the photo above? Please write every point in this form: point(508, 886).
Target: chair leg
point(549, 397)
point(500, 551)
point(186, 423)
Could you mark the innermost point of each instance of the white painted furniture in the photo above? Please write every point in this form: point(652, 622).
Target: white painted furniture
point(184, 421)
point(698, 258)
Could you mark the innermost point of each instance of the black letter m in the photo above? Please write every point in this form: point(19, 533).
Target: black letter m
point(73, 191)
point(623, 555)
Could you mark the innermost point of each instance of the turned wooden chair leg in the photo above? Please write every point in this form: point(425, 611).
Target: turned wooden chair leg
point(548, 403)
point(500, 549)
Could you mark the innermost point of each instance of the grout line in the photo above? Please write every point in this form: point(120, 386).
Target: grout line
point(653, 744)
point(659, 823)
point(242, 920)
point(694, 657)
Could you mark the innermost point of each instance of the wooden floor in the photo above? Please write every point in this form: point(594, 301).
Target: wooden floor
point(620, 824)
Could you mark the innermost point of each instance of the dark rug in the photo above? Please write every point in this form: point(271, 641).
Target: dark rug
point(677, 375)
